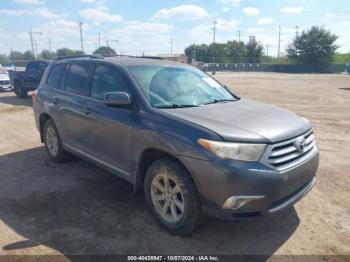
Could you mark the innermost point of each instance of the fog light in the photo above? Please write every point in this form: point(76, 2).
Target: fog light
point(236, 202)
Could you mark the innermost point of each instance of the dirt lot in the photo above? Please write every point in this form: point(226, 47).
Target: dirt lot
point(77, 208)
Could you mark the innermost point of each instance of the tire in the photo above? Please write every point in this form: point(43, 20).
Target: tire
point(172, 219)
point(20, 90)
point(53, 143)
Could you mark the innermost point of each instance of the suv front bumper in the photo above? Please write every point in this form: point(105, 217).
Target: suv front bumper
point(267, 189)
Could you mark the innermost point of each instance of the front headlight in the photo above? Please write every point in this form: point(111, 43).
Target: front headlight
point(236, 151)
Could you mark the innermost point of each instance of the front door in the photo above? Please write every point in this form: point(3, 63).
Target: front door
point(108, 130)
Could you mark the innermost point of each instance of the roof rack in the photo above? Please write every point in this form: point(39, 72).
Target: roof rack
point(150, 57)
point(132, 56)
point(79, 56)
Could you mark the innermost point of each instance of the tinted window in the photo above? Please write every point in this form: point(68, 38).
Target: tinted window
point(77, 79)
point(42, 66)
point(106, 79)
point(56, 75)
point(32, 66)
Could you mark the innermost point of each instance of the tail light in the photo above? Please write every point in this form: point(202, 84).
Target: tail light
point(34, 95)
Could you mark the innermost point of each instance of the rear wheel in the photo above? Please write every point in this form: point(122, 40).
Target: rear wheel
point(20, 90)
point(172, 197)
point(53, 142)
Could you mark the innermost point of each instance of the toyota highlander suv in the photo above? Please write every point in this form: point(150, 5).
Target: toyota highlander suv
point(195, 147)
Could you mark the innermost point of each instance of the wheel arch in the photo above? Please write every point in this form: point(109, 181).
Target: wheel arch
point(42, 120)
point(149, 156)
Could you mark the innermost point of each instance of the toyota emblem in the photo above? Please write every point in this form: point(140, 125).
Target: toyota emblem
point(300, 144)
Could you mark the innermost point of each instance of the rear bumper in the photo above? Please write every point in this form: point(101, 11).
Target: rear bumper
point(270, 190)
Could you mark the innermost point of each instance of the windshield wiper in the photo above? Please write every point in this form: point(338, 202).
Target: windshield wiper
point(174, 106)
point(215, 101)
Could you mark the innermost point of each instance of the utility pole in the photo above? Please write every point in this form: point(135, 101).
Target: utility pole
point(297, 31)
point(214, 29)
point(250, 39)
point(171, 45)
point(36, 48)
point(50, 45)
point(99, 39)
point(239, 36)
point(194, 52)
point(267, 50)
point(279, 42)
point(107, 42)
point(81, 35)
point(32, 39)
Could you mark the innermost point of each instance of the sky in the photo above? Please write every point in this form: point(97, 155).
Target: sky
point(147, 26)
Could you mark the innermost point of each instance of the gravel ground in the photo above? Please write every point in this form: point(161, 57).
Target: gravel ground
point(77, 208)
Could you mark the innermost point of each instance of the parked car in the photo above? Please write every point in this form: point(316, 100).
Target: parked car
point(26, 81)
point(195, 147)
point(4, 80)
point(348, 67)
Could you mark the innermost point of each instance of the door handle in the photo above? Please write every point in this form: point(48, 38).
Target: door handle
point(87, 111)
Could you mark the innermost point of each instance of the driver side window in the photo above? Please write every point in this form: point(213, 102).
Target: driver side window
point(107, 79)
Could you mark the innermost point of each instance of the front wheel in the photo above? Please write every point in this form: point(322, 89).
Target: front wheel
point(172, 197)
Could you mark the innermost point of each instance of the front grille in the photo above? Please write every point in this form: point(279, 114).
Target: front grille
point(287, 154)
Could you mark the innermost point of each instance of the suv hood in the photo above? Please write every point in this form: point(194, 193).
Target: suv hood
point(245, 121)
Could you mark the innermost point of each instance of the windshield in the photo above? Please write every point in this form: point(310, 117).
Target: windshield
point(174, 87)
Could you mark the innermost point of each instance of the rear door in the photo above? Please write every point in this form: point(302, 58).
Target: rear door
point(70, 103)
point(109, 130)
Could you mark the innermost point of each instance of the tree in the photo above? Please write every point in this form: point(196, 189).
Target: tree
point(28, 55)
point(341, 58)
point(105, 51)
point(46, 54)
point(68, 52)
point(254, 51)
point(217, 53)
point(15, 55)
point(235, 51)
point(3, 60)
point(313, 47)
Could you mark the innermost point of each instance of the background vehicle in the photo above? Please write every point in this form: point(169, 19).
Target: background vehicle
point(26, 81)
point(348, 67)
point(4, 80)
point(196, 148)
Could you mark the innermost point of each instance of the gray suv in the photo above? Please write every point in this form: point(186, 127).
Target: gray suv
point(196, 148)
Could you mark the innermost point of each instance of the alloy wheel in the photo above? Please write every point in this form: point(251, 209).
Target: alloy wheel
point(167, 197)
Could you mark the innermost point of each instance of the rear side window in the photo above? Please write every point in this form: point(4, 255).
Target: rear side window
point(77, 78)
point(56, 75)
point(106, 79)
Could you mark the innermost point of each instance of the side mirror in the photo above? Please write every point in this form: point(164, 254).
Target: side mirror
point(117, 99)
